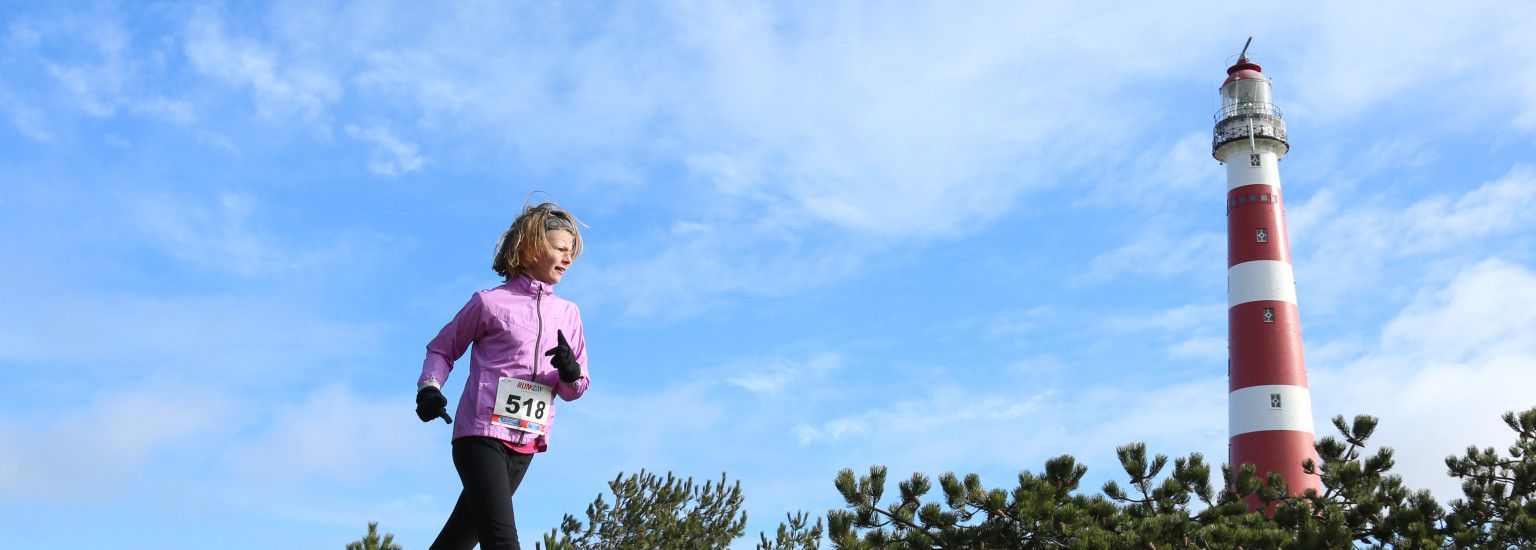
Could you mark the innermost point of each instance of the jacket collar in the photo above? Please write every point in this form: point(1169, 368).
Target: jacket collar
point(524, 284)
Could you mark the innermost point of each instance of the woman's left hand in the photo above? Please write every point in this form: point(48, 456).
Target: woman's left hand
point(564, 360)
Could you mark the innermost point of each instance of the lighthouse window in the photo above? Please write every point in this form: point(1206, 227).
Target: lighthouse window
point(1274, 401)
point(1269, 315)
point(1261, 234)
point(1264, 197)
point(1253, 160)
point(1253, 198)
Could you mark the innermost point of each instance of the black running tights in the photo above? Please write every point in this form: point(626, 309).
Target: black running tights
point(491, 473)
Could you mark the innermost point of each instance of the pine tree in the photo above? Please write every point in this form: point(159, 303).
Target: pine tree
point(794, 534)
point(1362, 504)
point(371, 541)
point(1041, 511)
point(1499, 508)
point(649, 512)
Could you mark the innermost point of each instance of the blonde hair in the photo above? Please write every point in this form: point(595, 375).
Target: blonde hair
point(528, 237)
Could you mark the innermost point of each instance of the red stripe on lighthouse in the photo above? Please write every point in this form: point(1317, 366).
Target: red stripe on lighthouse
point(1255, 225)
point(1265, 353)
point(1279, 451)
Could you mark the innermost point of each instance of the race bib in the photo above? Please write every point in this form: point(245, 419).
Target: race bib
point(523, 405)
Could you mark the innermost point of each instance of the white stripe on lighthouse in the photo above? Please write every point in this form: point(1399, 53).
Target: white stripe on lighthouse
point(1260, 408)
point(1260, 280)
point(1240, 169)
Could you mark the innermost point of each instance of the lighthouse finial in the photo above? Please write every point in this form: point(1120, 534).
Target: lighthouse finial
point(1243, 57)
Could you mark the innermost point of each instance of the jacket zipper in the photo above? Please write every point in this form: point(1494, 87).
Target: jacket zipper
point(538, 337)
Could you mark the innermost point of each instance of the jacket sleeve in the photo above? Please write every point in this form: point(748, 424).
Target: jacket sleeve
point(573, 390)
point(450, 343)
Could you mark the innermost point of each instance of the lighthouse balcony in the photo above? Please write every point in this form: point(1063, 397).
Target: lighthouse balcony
point(1246, 108)
point(1244, 125)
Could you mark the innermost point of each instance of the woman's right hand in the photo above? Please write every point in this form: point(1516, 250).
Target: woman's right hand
point(431, 404)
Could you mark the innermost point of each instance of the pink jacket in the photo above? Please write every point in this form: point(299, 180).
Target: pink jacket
point(511, 326)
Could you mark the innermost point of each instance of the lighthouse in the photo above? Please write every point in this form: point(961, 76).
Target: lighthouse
point(1269, 409)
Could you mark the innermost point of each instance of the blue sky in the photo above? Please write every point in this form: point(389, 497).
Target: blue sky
point(937, 237)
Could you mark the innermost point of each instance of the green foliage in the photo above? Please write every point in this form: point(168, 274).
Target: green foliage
point(650, 512)
point(1362, 504)
point(371, 541)
point(1041, 511)
point(1159, 513)
point(794, 534)
point(1499, 508)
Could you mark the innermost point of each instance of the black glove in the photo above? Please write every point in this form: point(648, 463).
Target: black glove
point(563, 360)
point(431, 404)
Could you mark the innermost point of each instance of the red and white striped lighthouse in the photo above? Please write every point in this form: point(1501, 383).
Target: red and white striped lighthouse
point(1269, 409)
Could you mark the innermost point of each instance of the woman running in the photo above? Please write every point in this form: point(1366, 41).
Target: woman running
point(528, 348)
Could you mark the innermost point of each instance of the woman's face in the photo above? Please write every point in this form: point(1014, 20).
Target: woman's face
point(554, 260)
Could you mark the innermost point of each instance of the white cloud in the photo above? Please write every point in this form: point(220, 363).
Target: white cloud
point(1446, 368)
point(220, 237)
point(111, 69)
point(83, 83)
point(1443, 371)
point(191, 448)
point(1160, 252)
point(1178, 320)
point(1346, 238)
point(174, 110)
point(942, 409)
point(333, 433)
point(1345, 244)
point(773, 376)
point(794, 113)
point(885, 126)
point(29, 120)
point(833, 430)
point(390, 155)
point(1167, 177)
point(1021, 323)
point(99, 443)
point(1484, 311)
point(515, 80)
point(1047, 363)
point(258, 339)
point(1441, 222)
point(22, 34)
point(890, 125)
point(695, 270)
point(280, 85)
point(1191, 333)
point(1204, 349)
point(931, 161)
point(229, 234)
point(1176, 419)
point(640, 428)
point(1349, 69)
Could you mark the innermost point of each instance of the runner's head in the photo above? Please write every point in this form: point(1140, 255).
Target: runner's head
point(542, 243)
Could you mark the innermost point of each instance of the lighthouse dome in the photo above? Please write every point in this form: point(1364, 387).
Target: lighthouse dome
point(1244, 70)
